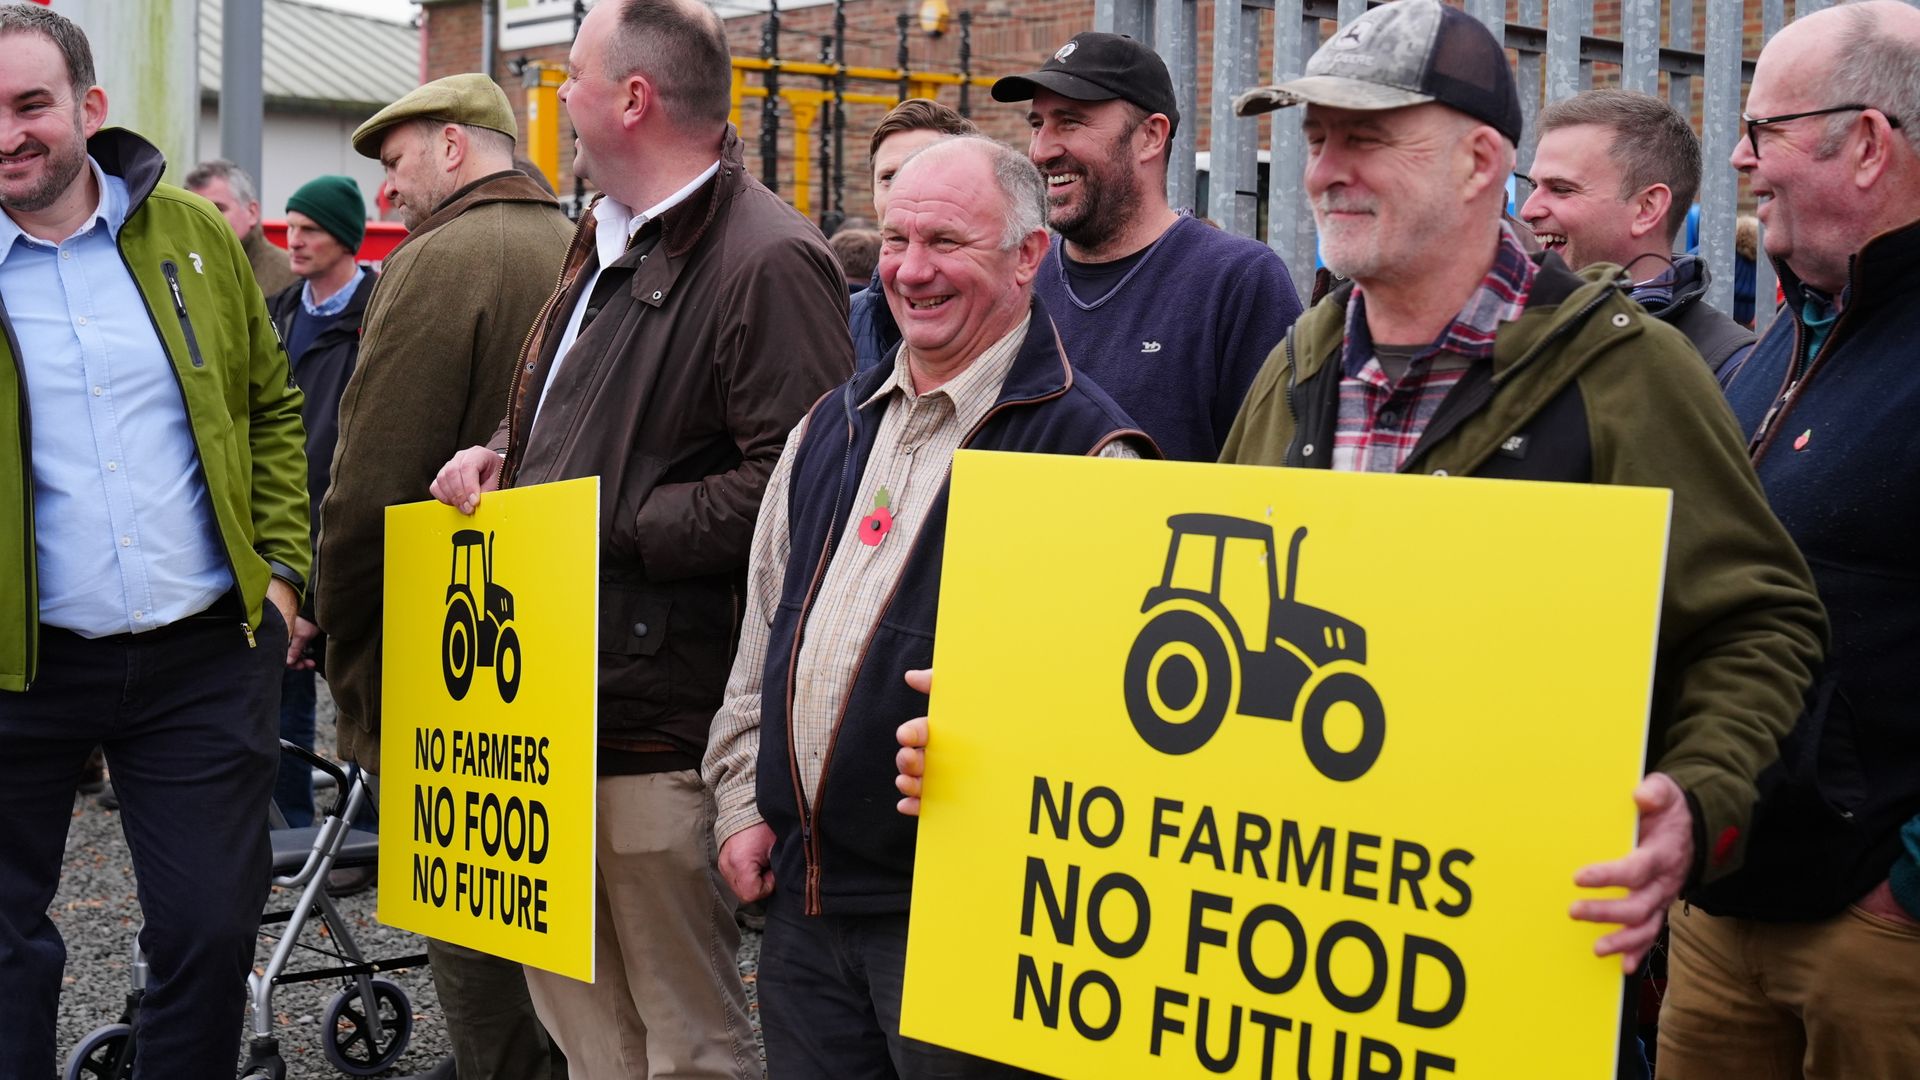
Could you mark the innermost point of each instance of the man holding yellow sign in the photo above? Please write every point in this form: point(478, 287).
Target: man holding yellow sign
point(1453, 353)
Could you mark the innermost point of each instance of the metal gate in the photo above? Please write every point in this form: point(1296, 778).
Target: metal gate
point(1554, 52)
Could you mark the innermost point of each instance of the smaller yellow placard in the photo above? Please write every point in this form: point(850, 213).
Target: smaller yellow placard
point(489, 724)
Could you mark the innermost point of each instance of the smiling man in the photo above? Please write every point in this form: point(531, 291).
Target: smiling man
point(1450, 352)
point(153, 544)
point(1805, 962)
point(858, 504)
point(1172, 315)
point(1614, 176)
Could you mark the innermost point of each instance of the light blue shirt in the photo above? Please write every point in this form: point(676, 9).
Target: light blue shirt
point(123, 523)
point(335, 304)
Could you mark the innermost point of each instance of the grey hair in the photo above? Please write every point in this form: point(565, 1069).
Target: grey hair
point(67, 37)
point(1018, 179)
point(1879, 69)
point(236, 177)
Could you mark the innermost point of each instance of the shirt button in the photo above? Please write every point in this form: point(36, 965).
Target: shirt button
point(97, 391)
point(113, 466)
point(656, 294)
point(66, 254)
point(1389, 418)
point(83, 320)
point(138, 615)
point(126, 541)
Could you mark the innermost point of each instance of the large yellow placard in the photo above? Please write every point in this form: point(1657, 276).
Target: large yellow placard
point(488, 723)
point(1279, 773)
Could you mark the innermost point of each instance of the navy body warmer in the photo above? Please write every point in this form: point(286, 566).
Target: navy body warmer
point(852, 850)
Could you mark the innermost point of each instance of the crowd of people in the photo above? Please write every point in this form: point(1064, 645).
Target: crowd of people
point(200, 435)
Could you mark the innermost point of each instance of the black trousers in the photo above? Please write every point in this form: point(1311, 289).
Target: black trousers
point(830, 1002)
point(189, 717)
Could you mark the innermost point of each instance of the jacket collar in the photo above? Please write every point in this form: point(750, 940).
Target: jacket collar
point(1040, 369)
point(509, 185)
point(1315, 338)
point(683, 226)
point(123, 154)
point(1877, 274)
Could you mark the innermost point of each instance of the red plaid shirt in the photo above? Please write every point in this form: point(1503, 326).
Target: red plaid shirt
point(1381, 421)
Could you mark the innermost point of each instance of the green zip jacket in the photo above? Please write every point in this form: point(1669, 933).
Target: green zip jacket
point(243, 406)
point(1586, 387)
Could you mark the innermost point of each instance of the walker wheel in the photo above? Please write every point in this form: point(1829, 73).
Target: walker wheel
point(347, 1035)
point(105, 1053)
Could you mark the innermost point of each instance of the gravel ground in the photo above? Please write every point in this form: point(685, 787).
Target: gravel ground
point(98, 915)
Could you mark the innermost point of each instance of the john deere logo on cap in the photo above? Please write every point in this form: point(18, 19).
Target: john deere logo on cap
point(1353, 37)
point(1066, 51)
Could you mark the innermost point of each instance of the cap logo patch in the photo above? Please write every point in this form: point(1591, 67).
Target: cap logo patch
point(1066, 51)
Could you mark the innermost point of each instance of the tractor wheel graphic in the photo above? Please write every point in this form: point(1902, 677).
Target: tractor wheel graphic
point(1350, 689)
point(458, 647)
point(506, 664)
point(1179, 682)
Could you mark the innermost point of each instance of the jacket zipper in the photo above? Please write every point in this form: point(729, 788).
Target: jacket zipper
point(809, 842)
point(180, 308)
point(1293, 377)
point(193, 431)
point(522, 368)
point(809, 836)
point(28, 556)
point(1798, 373)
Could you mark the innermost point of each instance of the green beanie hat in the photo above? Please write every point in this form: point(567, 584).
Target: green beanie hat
point(334, 203)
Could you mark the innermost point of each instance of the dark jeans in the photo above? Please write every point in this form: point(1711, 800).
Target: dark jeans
point(830, 1001)
point(293, 788)
point(187, 715)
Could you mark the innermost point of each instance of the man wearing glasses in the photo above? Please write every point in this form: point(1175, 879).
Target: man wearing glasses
point(1806, 962)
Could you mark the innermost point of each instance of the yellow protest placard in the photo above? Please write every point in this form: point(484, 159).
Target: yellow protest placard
point(488, 723)
point(1279, 773)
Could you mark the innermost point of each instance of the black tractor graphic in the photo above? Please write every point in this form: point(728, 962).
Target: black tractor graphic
point(475, 636)
point(1221, 637)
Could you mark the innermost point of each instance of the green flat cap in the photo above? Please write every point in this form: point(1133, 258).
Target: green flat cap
point(457, 99)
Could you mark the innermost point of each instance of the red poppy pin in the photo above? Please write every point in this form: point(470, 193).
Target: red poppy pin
point(875, 526)
point(1805, 438)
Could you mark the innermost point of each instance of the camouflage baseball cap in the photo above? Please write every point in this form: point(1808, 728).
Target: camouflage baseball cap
point(1407, 52)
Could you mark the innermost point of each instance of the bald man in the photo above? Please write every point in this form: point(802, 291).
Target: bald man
point(1807, 961)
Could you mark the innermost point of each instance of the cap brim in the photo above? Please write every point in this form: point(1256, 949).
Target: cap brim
point(1333, 91)
point(1023, 87)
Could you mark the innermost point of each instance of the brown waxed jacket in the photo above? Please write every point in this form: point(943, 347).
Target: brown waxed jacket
point(443, 329)
point(679, 396)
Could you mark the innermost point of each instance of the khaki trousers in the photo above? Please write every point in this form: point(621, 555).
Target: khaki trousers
point(1833, 1000)
point(666, 1000)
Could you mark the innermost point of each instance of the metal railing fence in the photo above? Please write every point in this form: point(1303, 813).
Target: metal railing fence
point(1554, 52)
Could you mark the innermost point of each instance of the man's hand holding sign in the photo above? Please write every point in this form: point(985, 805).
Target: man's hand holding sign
point(1211, 849)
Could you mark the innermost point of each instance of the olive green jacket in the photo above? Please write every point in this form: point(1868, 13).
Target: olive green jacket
point(1586, 387)
point(243, 407)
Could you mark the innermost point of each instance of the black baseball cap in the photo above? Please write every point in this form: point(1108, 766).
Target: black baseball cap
point(1100, 67)
point(1403, 53)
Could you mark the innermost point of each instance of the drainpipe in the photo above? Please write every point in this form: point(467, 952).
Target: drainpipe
point(486, 37)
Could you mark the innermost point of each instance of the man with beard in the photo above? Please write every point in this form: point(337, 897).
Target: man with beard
point(1171, 316)
point(1449, 351)
point(152, 552)
point(1612, 181)
point(443, 329)
point(228, 187)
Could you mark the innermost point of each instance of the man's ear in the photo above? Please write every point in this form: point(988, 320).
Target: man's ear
point(453, 148)
point(1650, 208)
point(1488, 161)
point(1150, 139)
point(1033, 250)
point(639, 100)
point(1876, 149)
point(93, 111)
